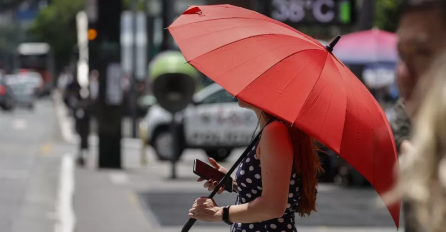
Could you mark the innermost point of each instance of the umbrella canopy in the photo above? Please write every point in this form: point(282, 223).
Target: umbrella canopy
point(295, 78)
point(371, 46)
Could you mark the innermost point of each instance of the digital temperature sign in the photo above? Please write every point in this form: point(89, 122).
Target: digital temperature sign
point(314, 12)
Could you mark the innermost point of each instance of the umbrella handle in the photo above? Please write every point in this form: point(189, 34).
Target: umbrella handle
point(188, 225)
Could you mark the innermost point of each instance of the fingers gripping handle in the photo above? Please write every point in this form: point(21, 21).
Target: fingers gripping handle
point(191, 221)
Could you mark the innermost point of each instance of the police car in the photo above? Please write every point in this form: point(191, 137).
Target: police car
point(213, 122)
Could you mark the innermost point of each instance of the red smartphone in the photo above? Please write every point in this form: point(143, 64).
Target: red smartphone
point(208, 172)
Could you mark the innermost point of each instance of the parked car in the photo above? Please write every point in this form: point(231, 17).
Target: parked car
point(34, 79)
point(23, 89)
point(213, 122)
point(7, 98)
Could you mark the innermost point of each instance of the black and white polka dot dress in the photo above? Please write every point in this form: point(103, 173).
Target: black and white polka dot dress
point(249, 181)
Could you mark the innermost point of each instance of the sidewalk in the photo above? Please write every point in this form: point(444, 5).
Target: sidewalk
point(110, 200)
point(107, 200)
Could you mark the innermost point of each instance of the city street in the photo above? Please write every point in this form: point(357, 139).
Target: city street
point(147, 198)
point(35, 179)
point(30, 148)
point(331, 71)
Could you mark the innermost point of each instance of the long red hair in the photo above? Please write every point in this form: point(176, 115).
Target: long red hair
point(307, 165)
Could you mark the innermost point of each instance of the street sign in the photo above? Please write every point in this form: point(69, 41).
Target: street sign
point(114, 84)
point(314, 12)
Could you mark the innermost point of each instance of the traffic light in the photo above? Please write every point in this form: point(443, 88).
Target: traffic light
point(92, 34)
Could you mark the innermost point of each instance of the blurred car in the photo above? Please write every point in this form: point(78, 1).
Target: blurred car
point(7, 99)
point(33, 78)
point(23, 89)
point(213, 122)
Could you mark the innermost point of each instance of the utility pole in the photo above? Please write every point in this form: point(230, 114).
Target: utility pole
point(168, 10)
point(104, 56)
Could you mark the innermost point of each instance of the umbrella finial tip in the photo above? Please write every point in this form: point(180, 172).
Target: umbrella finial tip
point(333, 43)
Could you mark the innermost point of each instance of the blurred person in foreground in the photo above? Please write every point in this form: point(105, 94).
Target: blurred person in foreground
point(423, 166)
point(421, 37)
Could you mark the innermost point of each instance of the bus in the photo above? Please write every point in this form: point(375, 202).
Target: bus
point(36, 57)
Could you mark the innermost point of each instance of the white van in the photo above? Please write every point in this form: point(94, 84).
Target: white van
point(214, 123)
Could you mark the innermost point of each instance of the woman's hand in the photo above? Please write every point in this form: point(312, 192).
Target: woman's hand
point(210, 184)
point(205, 209)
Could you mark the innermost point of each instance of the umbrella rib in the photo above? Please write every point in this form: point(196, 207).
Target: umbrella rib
point(298, 73)
point(213, 50)
point(196, 22)
point(372, 128)
point(272, 66)
point(291, 79)
point(312, 89)
point(235, 17)
point(346, 105)
point(326, 112)
point(309, 39)
point(266, 19)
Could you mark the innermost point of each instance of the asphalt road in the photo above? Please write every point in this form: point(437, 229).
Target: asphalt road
point(28, 168)
point(337, 207)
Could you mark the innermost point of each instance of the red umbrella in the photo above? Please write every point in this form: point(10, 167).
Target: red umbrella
point(295, 78)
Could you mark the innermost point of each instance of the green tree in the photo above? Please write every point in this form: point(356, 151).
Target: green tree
point(56, 25)
point(386, 14)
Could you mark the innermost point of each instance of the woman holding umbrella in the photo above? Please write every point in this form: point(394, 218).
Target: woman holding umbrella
point(277, 179)
point(299, 91)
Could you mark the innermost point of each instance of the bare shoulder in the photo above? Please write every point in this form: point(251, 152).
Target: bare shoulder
point(274, 129)
point(275, 140)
